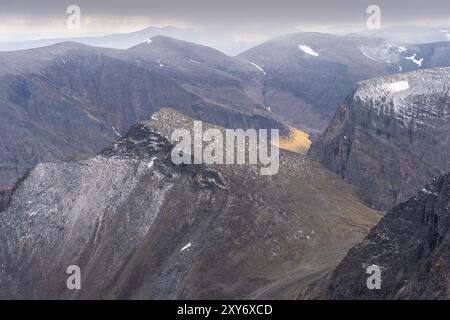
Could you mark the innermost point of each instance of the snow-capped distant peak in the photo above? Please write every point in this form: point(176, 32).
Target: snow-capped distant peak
point(308, 50)
point(258, 67)
point(416, 61)
point(148, 41)
point(397, 86)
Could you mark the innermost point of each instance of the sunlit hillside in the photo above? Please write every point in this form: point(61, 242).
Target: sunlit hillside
point(297, 141)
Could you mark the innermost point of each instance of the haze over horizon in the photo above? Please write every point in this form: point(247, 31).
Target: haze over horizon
point(244, 21)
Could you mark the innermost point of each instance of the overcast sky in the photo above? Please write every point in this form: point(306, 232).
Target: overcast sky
point(21, 19)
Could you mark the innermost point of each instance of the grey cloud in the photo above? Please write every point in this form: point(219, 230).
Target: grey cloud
point(242, 12)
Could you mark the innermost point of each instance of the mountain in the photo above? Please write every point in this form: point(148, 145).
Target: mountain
point(391, 135)
point(216, 77)
point(411, 245)
point(225, 42)
point(116, 41)
point(204, 71)
point(71, 100)
point(308, 75)
point(403, 57)
point(141, 227)
point(68, 100)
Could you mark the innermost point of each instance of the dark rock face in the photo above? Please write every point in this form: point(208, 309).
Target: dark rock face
point(391, 136)
point(70, 106)
point(140, 227)
point(308, 75)
point(411, 244)
point(70, 100)
point(4, 198)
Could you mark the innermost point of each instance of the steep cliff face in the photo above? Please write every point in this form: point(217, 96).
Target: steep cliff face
point(411, 245)
point(4, 198)
point(391, 136)
point(140, 227)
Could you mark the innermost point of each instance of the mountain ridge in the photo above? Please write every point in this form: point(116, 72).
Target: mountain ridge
point(141, 227)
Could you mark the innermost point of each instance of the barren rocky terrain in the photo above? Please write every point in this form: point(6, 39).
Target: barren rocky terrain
point(411, 245)
point(141, 227)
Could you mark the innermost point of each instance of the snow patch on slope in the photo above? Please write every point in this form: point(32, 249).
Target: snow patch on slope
point(258, 67)
point(397, 86)
point(366, 55)
point(308, 50)
point(416, 61)
point(186, 247)
point(152, 162)
point(409, 96)
point(115, 131)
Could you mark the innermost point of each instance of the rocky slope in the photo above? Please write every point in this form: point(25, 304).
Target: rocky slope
point(71, 100)
point(205, 71)
point(141, 227)
point(308, 75)
point(4, 198)
point(411, 245)
point(391, 136)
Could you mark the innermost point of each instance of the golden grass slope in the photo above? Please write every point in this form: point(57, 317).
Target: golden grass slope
point(297, 141)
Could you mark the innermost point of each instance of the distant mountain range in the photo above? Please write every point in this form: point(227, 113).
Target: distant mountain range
point(71, 100)
point(411, 34)
point(225, 42)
